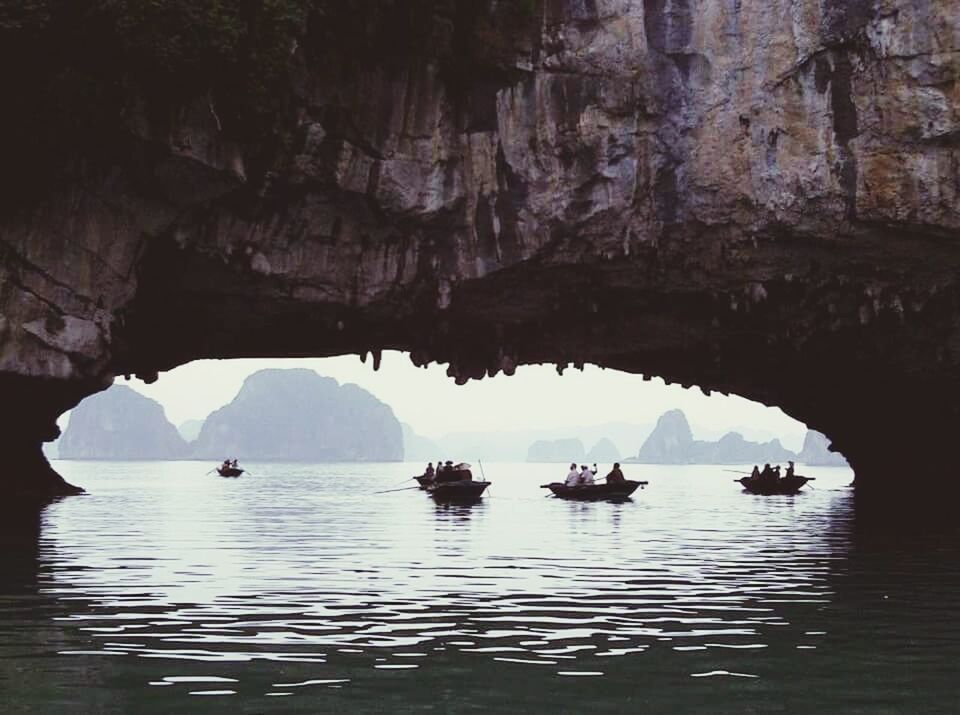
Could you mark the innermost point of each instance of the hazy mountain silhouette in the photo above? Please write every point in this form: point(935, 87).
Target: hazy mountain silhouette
point(604, 451)
point(297, 415)
point(557, 450)
point(418, 448)
point(512, 446)
point(816, 452)
point(672, 442)
point(190, 429)
point(120, 423)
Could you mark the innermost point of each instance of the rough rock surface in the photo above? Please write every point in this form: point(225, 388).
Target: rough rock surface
point(672, 442)
point(121, 424)
point(754, 196)
point(299, 416)
point(816, 451)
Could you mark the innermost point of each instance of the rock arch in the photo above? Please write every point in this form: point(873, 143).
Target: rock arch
point(643, 186)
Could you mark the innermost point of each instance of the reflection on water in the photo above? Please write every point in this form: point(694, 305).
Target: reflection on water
point(300, 588)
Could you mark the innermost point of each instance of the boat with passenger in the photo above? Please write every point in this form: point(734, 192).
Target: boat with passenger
point(783, 485)
point(769, 482)
point(229, 468)
point(593, 492)
point(453, 482)
point(580, 484)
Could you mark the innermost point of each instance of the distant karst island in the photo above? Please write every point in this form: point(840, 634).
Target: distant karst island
point(571, 450)
point(297, 415)
point(121, 424)
point(278, 415)
point(672, 442)
point(816, 452)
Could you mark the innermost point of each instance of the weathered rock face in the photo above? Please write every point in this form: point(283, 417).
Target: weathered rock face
point(755, 196)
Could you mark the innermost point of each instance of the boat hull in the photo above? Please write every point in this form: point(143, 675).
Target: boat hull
point(458, 491)
point(784, 485)
point(229, 472)
point(594, 492)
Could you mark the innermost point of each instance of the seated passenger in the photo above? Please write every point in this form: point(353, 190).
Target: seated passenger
point(755, 474)
point(789, 469)
point(428, 472)
point(447, 473)
point(615, 476)
point(767, 472)
point(586, 476)
point(572, 477)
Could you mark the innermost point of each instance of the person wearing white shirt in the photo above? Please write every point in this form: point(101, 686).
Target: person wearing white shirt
point(586, 476)
point(573, 477)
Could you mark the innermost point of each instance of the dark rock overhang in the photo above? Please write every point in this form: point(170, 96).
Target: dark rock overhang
point(493, 184)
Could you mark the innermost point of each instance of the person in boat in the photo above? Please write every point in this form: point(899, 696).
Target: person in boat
point(776, 472)
point(767, 474)
point(573, 476)
point(447, 473)
point(615, 476)
point(226, 464)
point(234, 464)
point(586, 476)
point(789, 470)
point(428, 472)
point(755, 474)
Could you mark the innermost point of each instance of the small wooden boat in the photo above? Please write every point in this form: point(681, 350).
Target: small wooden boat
point(459, 473)
point(461, 491)
point(768, 487)
point(229, 471)
point(592, 492)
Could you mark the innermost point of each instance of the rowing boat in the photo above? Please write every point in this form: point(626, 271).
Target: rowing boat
point(462, 491)
point(767, 487)
point(592, 492)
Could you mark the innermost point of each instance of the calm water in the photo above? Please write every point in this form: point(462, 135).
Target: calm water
point(296, 589)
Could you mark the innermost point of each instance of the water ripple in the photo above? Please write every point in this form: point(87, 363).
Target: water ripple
point(306, 572)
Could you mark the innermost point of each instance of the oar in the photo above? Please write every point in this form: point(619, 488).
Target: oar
point(405, 489)
point(404, 481)
point(734, 471)
point(211, 471)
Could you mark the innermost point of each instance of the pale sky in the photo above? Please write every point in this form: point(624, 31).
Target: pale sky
point(536, 397)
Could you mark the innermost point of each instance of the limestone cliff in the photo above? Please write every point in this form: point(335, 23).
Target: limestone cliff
point(816, 451)
point(755, 196)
